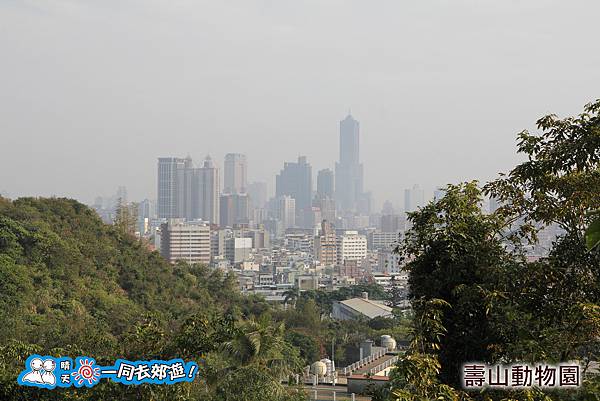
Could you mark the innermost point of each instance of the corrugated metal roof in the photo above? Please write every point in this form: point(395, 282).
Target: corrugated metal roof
point(367, 307)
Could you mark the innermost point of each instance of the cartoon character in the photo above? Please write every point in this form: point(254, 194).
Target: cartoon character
point(34, 376)
point(48, 376)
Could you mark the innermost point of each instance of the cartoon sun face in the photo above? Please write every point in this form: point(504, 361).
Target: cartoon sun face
point(86, 372)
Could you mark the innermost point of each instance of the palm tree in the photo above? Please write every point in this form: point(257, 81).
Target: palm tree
point(292, 295)
point(261, 343)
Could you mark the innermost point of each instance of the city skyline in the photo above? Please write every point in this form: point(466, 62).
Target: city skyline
point(186, 190)
point(234, 170)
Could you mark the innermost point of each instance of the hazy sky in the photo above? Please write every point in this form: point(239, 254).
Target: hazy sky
point(92, 92)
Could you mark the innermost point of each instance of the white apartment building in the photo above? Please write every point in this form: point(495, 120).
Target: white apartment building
point(388, 262)
point(351, 246)
point(238, 249)
point(189, 241)
point(383, 240)
point(286, 211)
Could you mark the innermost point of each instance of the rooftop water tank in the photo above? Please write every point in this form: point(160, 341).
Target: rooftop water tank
point(388, 342)
point(318, 368)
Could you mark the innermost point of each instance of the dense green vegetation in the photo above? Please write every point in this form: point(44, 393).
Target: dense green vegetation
point(71, 285)
point(476, 297)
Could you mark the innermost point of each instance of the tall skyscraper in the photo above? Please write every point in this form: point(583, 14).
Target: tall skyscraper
point(349, 170)
point(414, 198)
point(295, 180)
point(236, 169)
point(391, 223)
point(388, 208)
point(327, 207)
point(325, 183)
point(208, 184)
point(122, 195)
point(258, 194)
point(187, 192)
point(286, 211)
point(234, 209)
point(170, 193)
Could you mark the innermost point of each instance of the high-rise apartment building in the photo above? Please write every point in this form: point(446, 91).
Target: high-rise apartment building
point(351, 246)
point(285, 211)
point(187, 192)
point(349, 170)
point(414, 198)
point(383, 240)
point(234, 209)
point(327, 207)
point(326, 245)
point(392, 223)
point(260, 237)
point(236, 170)
point(295, 180)
point(206, 199)
point(388, 208)
point(171, 186)
point(325, 183)
point(258, 194)
point(350, 268)
point(189, 241)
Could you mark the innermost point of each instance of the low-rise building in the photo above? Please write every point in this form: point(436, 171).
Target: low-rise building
point(360, 308)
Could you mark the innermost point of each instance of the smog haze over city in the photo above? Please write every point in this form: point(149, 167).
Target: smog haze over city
point(299, 200)
point(93, 92)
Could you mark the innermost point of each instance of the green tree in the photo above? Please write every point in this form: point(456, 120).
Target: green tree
point(125, 220)
point(559, 184)
point(416, 377)
point(501, 307)
point(260, 343)
point(454, 254)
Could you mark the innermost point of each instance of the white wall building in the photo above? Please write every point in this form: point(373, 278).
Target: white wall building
point(286, 211)
point(238, 249)
point(383, 240)
point(189, 241)
point(351, 246)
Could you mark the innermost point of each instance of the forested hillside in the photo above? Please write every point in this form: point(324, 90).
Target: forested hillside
point(71, 285)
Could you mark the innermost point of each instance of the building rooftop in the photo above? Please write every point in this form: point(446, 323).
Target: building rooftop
point(367, 307)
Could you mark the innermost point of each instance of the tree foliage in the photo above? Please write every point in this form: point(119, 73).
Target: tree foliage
point(501, 307)
point(71, 285)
